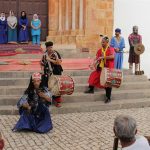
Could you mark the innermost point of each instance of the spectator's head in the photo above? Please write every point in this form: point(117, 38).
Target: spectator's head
point(117, 31)
point(135, 29)
point(49, 46)
point(105, 41)
point(125, 128)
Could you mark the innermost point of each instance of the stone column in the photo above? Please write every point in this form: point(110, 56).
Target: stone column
point(60, 16)
point(81, 15)
point(73, 14)
point(66, 15)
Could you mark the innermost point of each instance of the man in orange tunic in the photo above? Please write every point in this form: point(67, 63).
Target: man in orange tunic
point(104, 58)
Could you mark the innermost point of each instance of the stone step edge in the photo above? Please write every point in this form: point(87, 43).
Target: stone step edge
point(86, 107)
point(95, 94)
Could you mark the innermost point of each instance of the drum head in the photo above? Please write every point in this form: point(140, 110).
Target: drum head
point(53, 85)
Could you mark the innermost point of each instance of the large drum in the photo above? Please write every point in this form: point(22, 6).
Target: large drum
point(111, 77)
point(61, 84)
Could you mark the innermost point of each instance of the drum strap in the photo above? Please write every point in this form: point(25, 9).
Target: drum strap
point(103, 61)
point(49, 64)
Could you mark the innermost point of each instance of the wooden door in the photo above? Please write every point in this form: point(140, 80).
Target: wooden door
point(31, 7)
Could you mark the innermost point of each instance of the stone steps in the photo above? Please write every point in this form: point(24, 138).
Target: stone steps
point(77, 79)
point(26, 74)
point(12, 99)
point(86, 107)
point(19, 89)
point(65, 53)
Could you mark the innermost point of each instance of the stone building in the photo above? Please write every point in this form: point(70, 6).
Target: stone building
point(78, 22)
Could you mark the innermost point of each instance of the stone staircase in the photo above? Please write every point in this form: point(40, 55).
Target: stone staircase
point(134, 92)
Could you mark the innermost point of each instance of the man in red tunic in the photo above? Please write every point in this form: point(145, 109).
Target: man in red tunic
point(104, 58)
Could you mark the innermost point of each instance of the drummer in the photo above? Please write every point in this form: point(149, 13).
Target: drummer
point(51, 64)
point(104, 58)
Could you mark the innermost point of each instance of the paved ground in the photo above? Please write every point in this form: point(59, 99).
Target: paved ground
point(79, 131)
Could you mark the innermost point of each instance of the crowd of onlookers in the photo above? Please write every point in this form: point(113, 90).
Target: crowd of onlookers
point(13, 30)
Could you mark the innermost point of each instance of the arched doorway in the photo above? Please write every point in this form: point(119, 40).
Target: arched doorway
point(31, 7)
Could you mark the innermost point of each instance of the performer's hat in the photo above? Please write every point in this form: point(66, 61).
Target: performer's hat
point(36, 75)
point(49, 43)
point(139, 49)
point(118, 30)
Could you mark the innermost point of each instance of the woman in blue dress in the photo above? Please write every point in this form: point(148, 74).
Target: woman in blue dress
point(35, 29)
point(23, 28)
point(3, 29)
point(12, 28)
point(33, 107)
point(118, 43)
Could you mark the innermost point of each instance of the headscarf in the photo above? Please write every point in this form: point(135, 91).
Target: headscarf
point(12, 20)
point(35, 17)
point(23, 17)
point(2, 17)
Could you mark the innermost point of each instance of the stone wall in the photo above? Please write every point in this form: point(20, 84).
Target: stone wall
point(80, 22)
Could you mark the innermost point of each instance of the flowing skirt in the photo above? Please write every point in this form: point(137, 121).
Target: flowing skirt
point(39, 121)
point(12, 35)
point(118, 60)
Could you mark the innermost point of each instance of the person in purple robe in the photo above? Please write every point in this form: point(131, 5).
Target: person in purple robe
point(3, 28)
point(23, 28)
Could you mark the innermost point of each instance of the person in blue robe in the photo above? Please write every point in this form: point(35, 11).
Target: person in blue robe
point(35, 29)
point(33, 107)
point(12, 28)
point(118, 43)
point(3, 29)
point(23, 28)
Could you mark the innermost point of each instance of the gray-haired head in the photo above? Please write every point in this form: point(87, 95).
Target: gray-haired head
point(125, 128)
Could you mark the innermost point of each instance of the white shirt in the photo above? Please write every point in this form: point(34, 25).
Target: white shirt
point(141, 143)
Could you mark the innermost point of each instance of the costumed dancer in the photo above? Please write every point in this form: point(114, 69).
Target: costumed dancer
point(118, 43)
point(134, 39)
point(51, 64)
point(3, 29)
point(104, 58)
point(33, 107)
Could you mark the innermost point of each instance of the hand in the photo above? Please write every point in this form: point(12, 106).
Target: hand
point(27, 106)
point(116, 49)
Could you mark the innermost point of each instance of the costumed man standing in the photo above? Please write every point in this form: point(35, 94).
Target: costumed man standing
point(118, 43)
point(134, 39)
point(3, 29)
point(33, 107)
point(104, 58)
point(51, 64)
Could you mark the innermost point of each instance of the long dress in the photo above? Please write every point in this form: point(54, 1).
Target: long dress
point(3, 31)
point(38, 119)
point(133, 40)
point(23, 34)
point(12, 32)
point(94, 79)
point(118, 55)
point(36, 32)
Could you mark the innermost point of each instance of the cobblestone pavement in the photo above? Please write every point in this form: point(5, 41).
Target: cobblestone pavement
point(78, 131)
